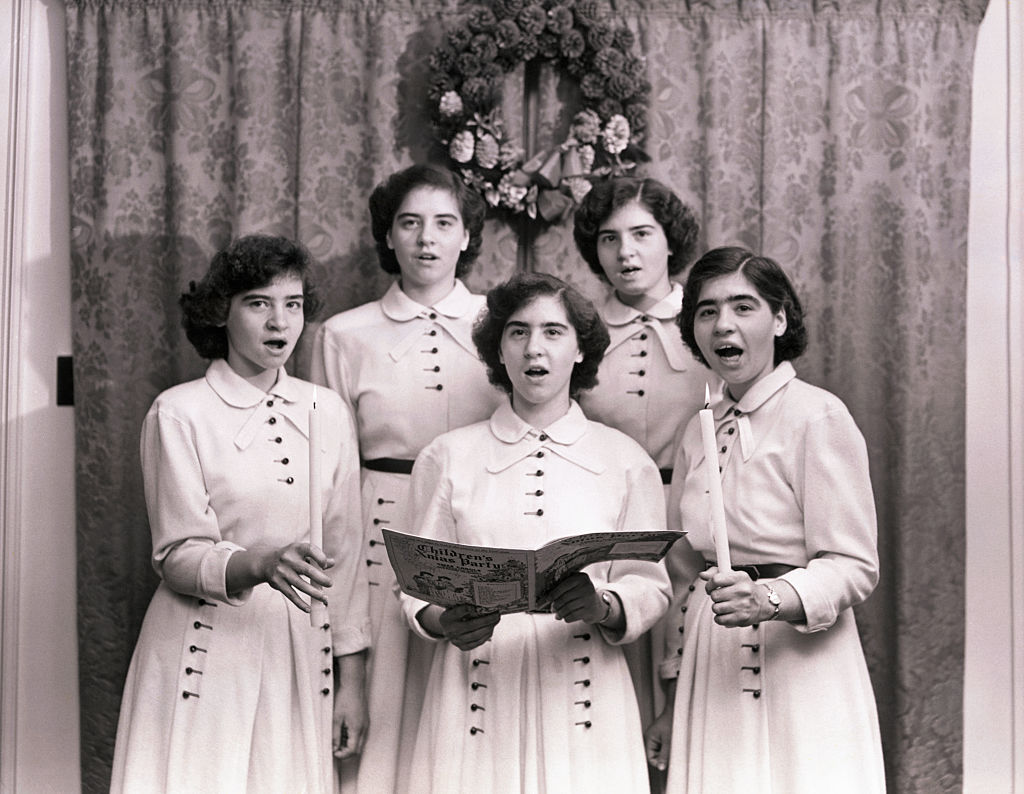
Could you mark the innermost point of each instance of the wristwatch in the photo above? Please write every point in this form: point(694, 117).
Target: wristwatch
point(607, 598)
point(773, 599)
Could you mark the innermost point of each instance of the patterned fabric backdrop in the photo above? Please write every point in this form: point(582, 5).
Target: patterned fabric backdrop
point(833, 136)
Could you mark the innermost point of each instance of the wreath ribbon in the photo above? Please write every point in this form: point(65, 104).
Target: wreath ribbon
point(547, 169)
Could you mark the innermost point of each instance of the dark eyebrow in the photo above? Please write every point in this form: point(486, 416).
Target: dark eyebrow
point(606, 230)
point(254, 295)
point(730, 299)
point(448, 215)
point(521, 324)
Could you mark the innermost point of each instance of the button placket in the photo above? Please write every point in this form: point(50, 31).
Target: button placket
point(382, 511)
point(194, 658)
point(478, 689)
point(534, 491)
point(430, 351)
point(750, 673)
point(278, 458)
point(639, 343)
point(583, 695)
point(680, 630)
point(726, 437)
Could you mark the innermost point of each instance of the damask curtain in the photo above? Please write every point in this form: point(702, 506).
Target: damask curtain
point(833, 136)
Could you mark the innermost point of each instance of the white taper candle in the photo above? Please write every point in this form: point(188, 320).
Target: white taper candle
point(317, 615)
point(714, 478)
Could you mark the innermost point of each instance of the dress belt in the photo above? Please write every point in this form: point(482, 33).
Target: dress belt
point(666, 476)
point(763, 570)
point(388, 465)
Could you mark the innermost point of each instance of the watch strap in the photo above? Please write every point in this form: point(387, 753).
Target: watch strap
point(773, 599)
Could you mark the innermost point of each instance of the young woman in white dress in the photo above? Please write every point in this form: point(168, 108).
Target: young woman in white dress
point(770, 690)
point(230, 687)
point(407, 368)
point(637, 236)
point(532, 702)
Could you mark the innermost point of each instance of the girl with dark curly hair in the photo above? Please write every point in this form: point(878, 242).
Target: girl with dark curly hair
point(767, 653)
point(536, 701)
point(637, 236)
point(228, 683)
point(407, 368)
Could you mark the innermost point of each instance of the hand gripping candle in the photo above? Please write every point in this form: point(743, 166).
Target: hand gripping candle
point(714, 477)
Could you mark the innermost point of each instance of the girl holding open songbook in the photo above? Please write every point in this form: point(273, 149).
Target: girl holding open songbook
point(769, 687)
point(536, 701)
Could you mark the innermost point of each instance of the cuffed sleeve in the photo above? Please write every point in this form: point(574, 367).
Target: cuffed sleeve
point(188, 551)
point(839, 519)
point(348, 599)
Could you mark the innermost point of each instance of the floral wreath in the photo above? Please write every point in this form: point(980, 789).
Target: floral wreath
point(604, 138)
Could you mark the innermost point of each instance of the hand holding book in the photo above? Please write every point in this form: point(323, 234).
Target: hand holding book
point(509, 580)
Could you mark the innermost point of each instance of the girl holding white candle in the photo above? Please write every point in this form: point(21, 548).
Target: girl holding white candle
point(769, 688)
point(228, 683)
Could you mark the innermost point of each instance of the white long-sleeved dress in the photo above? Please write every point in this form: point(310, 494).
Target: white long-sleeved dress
point(408, 373)
point(544, 705)
point(649, 386)
point(781, 708)
point(233, 692)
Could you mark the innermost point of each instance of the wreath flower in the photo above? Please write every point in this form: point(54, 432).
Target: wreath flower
point(605, 134)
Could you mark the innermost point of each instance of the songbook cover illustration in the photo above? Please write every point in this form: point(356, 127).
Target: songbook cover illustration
point(509, 580)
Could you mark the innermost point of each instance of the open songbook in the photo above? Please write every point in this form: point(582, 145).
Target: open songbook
point(509, 580)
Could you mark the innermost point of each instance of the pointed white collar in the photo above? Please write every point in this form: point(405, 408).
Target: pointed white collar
point(236, 391)
point(616, 313)
point(520, 440)
point(401, 308)
point(756, 396)
point(622, 321)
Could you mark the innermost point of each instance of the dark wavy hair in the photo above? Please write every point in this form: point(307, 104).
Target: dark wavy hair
point(506, 299)
point(677, 220)
point(388, 196)
point(771, 283)
point(247, 263)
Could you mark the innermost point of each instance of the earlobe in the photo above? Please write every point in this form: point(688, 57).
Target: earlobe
point(465, 241)
point(387, 237)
